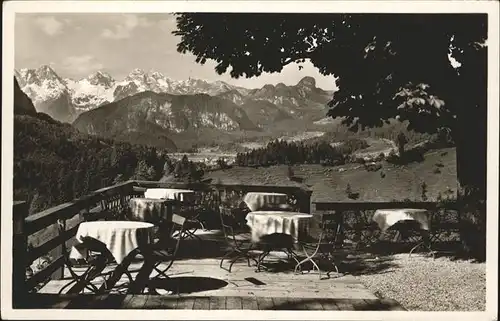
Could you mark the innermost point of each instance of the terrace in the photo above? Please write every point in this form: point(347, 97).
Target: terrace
point(195, 279)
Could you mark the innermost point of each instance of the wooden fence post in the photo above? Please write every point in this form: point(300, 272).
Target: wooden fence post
point(305, 201)
point(60, 250)
point(19, 253)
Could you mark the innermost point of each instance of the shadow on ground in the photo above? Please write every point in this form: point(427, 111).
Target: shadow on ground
point(188, 284)
point(213, 245)
point(367, 264)
point(453, 250)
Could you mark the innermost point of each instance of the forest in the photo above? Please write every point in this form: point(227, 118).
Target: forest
point(55, 163)
point(283, 152)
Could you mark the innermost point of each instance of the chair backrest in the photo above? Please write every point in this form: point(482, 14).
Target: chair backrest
point(227, 222)
point(178, 220)
point(330, 228)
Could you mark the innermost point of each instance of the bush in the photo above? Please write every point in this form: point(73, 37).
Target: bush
point(409, 156)
point(222, 163)
point(332, 162)
point(351, 145)
point(423, 191)
point(373, 167)
point(350, 194)
point(473, 231)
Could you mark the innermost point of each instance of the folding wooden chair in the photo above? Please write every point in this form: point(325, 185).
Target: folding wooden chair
point(275, 242)
point(166, 252)
point(324, 245)
point(239, 243)
point(96, 260)
point(192, 221)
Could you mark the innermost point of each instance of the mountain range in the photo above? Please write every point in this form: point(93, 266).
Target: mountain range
point(149, 103)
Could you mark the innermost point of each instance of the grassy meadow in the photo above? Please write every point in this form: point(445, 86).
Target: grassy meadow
point(391, 182)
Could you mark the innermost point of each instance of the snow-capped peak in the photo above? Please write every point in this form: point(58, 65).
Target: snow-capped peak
point(156, 75)
point(136, 74)
point(101, 78)
point(100, 87)
point(46, 72)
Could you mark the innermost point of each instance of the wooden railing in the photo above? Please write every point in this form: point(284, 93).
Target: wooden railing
point(38, 235)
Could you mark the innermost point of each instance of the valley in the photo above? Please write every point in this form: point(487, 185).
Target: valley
point(147, 114)
point(150, 108)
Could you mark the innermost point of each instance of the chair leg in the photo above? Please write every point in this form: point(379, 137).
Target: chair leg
point(233, 261)
point(226, 256)
point(331, 260)
point(261, 259)
point(202, 225)
point(67, 285)
point(308, 259)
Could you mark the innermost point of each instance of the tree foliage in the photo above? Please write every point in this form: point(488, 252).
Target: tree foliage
point(388, 66)
point(283, 152)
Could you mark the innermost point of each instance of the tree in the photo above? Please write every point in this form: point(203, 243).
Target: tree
point(389, 66)
point(401, 142)
point(289, 172)
point(143, 171)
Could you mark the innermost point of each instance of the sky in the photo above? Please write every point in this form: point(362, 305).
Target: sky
point(76, 45)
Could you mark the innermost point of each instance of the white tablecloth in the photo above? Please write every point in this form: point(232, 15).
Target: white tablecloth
point(257, 200)
point(120, 237)
point(385, 218)
point(270, 222)
point(182, 195)
point(149, 209)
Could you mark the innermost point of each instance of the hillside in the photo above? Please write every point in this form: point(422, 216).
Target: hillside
point(329, 183)
point(264, 113)
point(163, 115)
point(22, 104)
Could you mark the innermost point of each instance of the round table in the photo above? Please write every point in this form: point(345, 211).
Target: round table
point(183, 195)
point(278, 222)
point(385, 218)
point(263, 200)
point(119, 237)
point(150, 210)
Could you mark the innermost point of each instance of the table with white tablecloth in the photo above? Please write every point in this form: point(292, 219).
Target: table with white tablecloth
point(278, 222)
point(277, 231)
point(150, 210)
point(257, 201)
point(183, 195)
point(385, 218)
point(119, 237)
point(124, 240)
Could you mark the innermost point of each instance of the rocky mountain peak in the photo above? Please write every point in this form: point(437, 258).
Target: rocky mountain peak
point(101, 78)
point(46, 72)
point(156, 75)
point(136, 74)
point(308, 82)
